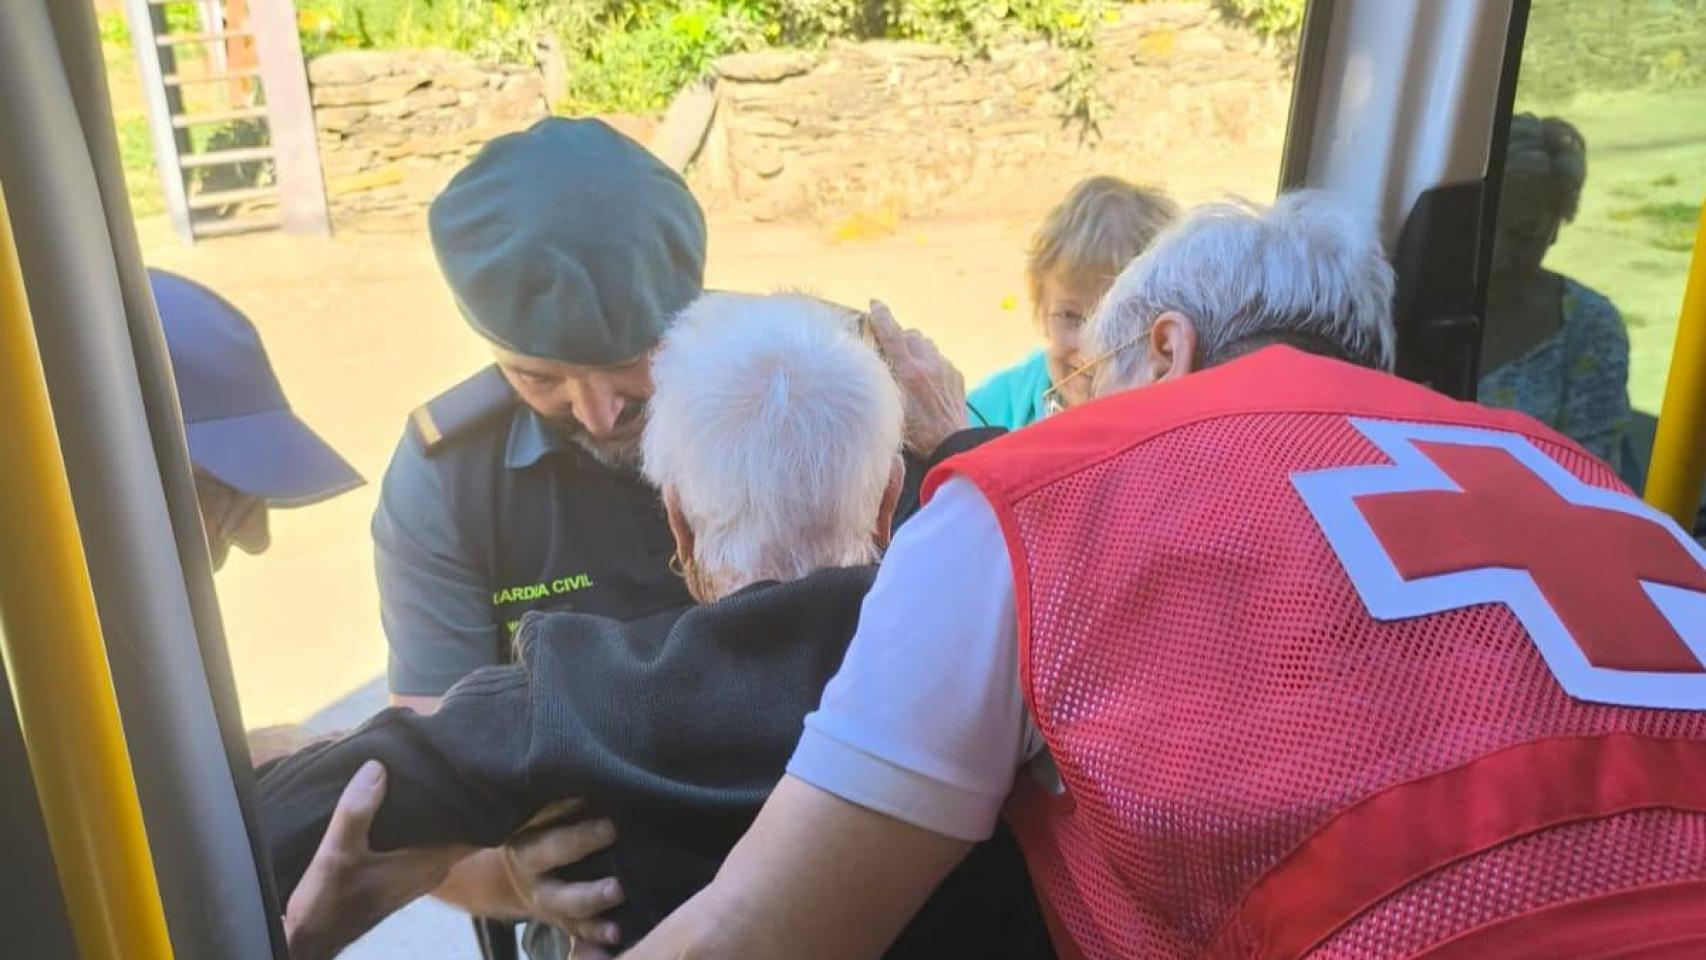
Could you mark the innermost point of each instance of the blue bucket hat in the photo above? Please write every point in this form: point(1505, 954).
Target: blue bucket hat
point(238, 424)
point(571, 242)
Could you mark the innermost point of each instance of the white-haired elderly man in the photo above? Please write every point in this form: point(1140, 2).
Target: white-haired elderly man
point(1276, 656)
point(775, 436)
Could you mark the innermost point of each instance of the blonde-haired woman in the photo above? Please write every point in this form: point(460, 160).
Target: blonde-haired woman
point(1081, 246)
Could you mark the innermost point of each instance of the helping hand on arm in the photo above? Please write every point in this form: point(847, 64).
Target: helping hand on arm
point(348, 888)
point(816, 876)
point(514, 882)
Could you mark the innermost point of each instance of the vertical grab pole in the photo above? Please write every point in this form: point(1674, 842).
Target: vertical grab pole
point(1678, 467)
point(57, 664)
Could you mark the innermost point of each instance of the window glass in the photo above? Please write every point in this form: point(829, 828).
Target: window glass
point(1605, 172)
point(908, 152)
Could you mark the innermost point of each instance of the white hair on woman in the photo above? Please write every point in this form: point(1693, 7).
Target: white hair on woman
point(775, 428)
point(1308, 269)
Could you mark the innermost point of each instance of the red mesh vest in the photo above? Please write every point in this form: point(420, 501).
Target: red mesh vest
point(1277, 740)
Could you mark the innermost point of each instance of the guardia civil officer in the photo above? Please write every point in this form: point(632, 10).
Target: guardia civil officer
point(569, 248)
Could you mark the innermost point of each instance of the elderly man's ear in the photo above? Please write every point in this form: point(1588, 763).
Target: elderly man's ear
point(1170, 349)
point(678, 526)
point(891, 500)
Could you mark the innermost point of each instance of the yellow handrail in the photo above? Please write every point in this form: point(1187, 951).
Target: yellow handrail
point(1678, 467)
point(57, 665)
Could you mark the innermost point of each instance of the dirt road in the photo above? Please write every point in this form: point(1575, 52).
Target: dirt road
point(360, 330)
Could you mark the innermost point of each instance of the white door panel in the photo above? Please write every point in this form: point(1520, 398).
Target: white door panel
point(1410, 103)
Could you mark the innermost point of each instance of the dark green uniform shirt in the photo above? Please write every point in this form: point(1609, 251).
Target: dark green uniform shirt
point(486, 513)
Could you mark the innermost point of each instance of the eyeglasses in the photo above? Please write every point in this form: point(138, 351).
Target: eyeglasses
point(1053, 400)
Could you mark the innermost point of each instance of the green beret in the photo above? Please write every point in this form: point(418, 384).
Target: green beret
point(569, 241)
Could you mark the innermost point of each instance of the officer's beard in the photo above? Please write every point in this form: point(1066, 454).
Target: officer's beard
point(621, 454)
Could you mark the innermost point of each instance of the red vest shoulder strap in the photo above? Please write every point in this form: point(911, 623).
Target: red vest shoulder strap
point(1272, 380)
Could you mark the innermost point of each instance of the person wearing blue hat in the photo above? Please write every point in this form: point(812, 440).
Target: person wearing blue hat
point(249, 450)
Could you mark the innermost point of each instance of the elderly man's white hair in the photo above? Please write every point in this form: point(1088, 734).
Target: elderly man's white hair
point(1308, 269)
point(776, 428)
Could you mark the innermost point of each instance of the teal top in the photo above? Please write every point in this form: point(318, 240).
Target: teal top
point(1576, 382)
point(1013, 397)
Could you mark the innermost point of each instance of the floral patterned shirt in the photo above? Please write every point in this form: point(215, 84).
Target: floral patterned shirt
point(1577, 382)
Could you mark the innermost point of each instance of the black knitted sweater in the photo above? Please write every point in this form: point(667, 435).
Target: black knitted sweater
point(676, 726)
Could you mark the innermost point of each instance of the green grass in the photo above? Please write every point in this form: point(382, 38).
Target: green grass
point(115, 29)
point(1667, 213)
point(1663, 226)
point(136, 151)
point(136, 145)
point(1675, 241)
point(142, 181)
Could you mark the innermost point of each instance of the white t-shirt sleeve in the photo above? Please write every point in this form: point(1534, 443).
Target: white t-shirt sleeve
point(925, 721)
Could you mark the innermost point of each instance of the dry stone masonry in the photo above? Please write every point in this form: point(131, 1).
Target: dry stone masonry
point(395, 125)
point(907, 127)
point(886, 128)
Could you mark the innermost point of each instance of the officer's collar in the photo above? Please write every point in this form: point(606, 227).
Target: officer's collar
point(530, 439)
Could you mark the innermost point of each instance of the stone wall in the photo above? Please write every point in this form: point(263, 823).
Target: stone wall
point(1198, 105)
point(1196, 101)
point(395, 125)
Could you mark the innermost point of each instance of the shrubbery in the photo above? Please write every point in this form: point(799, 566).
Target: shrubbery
point(632, 55)
point(1269, 16)
point(620, 54)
